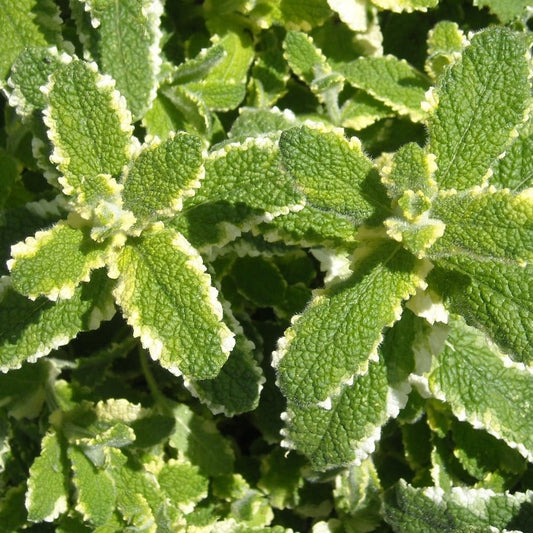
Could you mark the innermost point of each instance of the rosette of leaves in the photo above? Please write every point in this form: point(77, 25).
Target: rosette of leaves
point(119, 195)
point(443, 229)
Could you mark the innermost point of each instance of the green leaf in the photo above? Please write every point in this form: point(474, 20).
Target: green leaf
point(88, 123)
point(352, 12)
point(362, 110)
point(506, 10)
point(344, 431)
point(95, 490)
point(304, 58)
point(391, 81)
point(201, 443)
point(445, 44)
point(399, 6)
point(54, 262)
point(332, 173)
point(484, 388)
point(47, 494)
point(197, 68)
point(411, 510)
point(253, 122)
point(26, 23)
point(162, 174)
point(304, 14)
point(127, 47)
point(31, 329)
point(9, 175)
point(183, 484)
point(330, 343)
point(480, 101)
point(168, 299)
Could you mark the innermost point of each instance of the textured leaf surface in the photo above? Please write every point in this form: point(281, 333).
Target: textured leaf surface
point(162, 174)
point(405, 5)
point(338, 334)
point(305, 60)
point(506, 10)
point(332, 173)
point(391, 81)
point(168, 300)
point(445, 43)
point(89, 124)
point(345, 431)
point(54, 262)
point(31, 329)
point(127, 41)
point(474, 379)
point(481, 100)
point(408, 509)
point(47, 494)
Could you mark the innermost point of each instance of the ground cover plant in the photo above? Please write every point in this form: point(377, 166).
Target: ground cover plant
point(266, 266)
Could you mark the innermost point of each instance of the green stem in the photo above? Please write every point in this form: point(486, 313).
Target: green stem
point(159, 398)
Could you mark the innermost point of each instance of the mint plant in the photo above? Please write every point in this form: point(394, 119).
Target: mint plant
point(266, 266)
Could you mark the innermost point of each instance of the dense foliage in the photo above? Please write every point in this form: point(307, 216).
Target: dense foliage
point(266, 266)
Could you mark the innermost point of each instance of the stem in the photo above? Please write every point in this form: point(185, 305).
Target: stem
point(159, 398)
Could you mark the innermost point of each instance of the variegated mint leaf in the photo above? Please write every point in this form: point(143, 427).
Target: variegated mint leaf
point(244, 184)
point(332, 173)
point(344, 431)
point(484, 387)
point(408, 6)
point(295, 14)
point(54, 262)
point(197, 68)
point(126, 46)
point(352, 12)
point(95, 489)
point(89, 125)
point(338, 334)
point(254, 122)
point(168, 299)
point(506, 10)
point(391, 81)
point(479, 102)
point(31, 329)
point(410, 509)
point(47, 495)
point(362, 110)
point(445, 44)
point(162, 175)
point(515, 169)
point(26, 23)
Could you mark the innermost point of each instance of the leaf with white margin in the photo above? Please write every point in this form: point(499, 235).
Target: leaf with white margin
point(399, 6)
point(26, 23)
point(126, 46)
point(254, 122)
point(168, 299)
point(195, 69)
point(362, 110)
point(162, 174)
point(244, 184)
point(47, 494)
point(445, 44)
point(484, 387)
point(31, 329)
point(89, 124)
point(506, 10)
point(515, 169)
point(54, 262)
point(432, 510)
point(485, 225)
point(352, 12)
point(304, 58)
point(333, 173)
point(345, 431)
point(479, 103)
point(183, 483)
point(95, 490)
point(391, 81)
point(337, 336)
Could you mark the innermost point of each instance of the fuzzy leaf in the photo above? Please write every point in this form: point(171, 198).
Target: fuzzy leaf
point(445, 43)
point(167, 298)
point(405, 5)
point(162, 175)
point(304, 14)
point(409, 510)
point(197, 68)
point(483, 389)
point(26, 23)
point(391, 81)
point(345, 431)
point(126, 41)
point(95, 490)
point(481, 100)
point(88, 123)
point(362, 110)
point(304, 59)
point(47, 494)
point(254, 122)
point(31, 329)
point(338, 334)
point(332, 173)
point(506, 10)
point(54, 262)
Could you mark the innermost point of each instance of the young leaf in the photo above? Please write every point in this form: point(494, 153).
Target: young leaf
point(481, 100)
point(126, 46)
point(499, 405)
point(47, 494)
point(329, 343)
point(162, 175)
point(168, 299)
point(445, 43)
point(54, 262)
